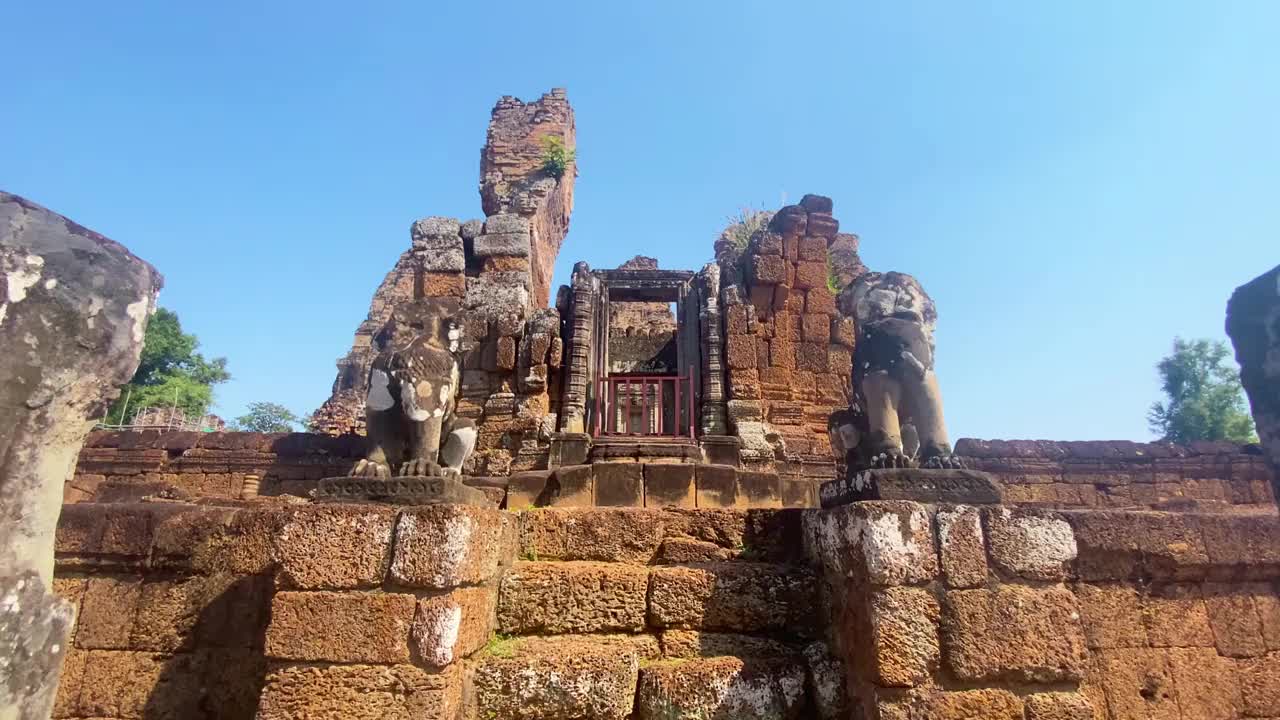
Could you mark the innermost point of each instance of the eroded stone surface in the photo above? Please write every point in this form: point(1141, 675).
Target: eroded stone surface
point(359, 692)
point(73, 310)
point(888, 543)
point(721, 688)
point(558, 678)
point(1030, 544)
point(573, 597)
point(444, 546)
point(1014, 633)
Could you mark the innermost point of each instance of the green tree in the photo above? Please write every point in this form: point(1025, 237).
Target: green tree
point(171, 371)
point(267, 417)
point(1205, 399)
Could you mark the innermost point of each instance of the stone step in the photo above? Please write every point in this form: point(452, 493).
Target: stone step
point(556, 597)
point(668, 536)
point(587, 677)
point(739, 597)
point(722, 687)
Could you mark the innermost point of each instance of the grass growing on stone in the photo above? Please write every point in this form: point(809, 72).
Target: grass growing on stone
point(502, 646)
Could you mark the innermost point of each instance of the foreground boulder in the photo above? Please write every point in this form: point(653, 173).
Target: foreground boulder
point(1253, 323)
point(73, 309)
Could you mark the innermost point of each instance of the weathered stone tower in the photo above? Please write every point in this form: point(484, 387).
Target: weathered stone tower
point(498, 268)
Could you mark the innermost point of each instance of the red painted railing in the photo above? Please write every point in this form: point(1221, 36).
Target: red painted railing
point(665, 404)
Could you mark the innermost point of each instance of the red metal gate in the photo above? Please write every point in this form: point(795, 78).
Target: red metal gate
point(665, 404)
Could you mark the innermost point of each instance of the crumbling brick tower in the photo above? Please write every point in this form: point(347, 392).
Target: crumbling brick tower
point(787, 348)
point(499, 271)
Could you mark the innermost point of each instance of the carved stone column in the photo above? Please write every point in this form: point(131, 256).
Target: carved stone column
point(585, 295)
point(713, 400)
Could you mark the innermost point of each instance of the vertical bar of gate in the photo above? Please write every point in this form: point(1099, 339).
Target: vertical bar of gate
point(675, 416)
point(645, 417)
point(659, 383)
point(626, 415)
point(691, 402)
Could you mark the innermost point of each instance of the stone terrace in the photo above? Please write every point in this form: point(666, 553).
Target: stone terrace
point(880, 609)
point(1208, 477)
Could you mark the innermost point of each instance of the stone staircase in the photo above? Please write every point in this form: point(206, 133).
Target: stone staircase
point(647, 614)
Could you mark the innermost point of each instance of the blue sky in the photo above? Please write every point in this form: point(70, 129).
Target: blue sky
point(1074, 183)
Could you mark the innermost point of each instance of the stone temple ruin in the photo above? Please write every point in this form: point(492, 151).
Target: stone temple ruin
point(717, 493)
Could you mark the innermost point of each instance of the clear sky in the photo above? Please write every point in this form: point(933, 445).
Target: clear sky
point(1075, 183)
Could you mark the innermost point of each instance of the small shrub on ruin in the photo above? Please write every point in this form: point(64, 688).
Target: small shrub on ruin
point(745, 224)
point(556, 156)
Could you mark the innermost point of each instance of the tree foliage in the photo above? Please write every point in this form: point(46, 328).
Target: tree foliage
point(171, 371)
point(268, 417)
point(1205, 399)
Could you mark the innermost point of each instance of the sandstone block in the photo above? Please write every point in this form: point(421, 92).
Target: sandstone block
point(107, 613)
point(435, 226)
point(619, 484)
point(669, 486)
point(1237, 626)
point(722, 687)
point(822, 224)
point(739, 319)
point(1014, 633)
point(688, 644)
point(885, 543)
point(557, 679)
point(67, 701)
point(532, 489)
point(506, 353)
point(1112, 616)
point(506, 223)
point(1137, 683)
point(683, 551)
point(767, 243)
point(450, 627)
point(768, 270)
point(989, 704)
point(504, 264)
point(1058, 706)
point(1259, 680)
point(717, 486)
point(759, 489)
point(790, 221)
point(449, 259)
point(842, 332)
point(573, 597)
point(904, 636)
point(357, 627)
point(325, 547)
point(814, 357)
point(811, 275)
point(820, 301)
point(1206, 684)
point(813, 248)
point(816, 203)
point(444, 284)
point(740, 352)
point(123, 684)
point(360, 692)
point(514, 244)
point(607, 535)
point(962, 550)
point(816, 328)
point(1031, 544)
point(1176, 616)
point(735, 597)
point(444, 546)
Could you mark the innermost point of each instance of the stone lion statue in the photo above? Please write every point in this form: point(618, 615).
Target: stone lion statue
point(413, 386)
point(896, 390)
